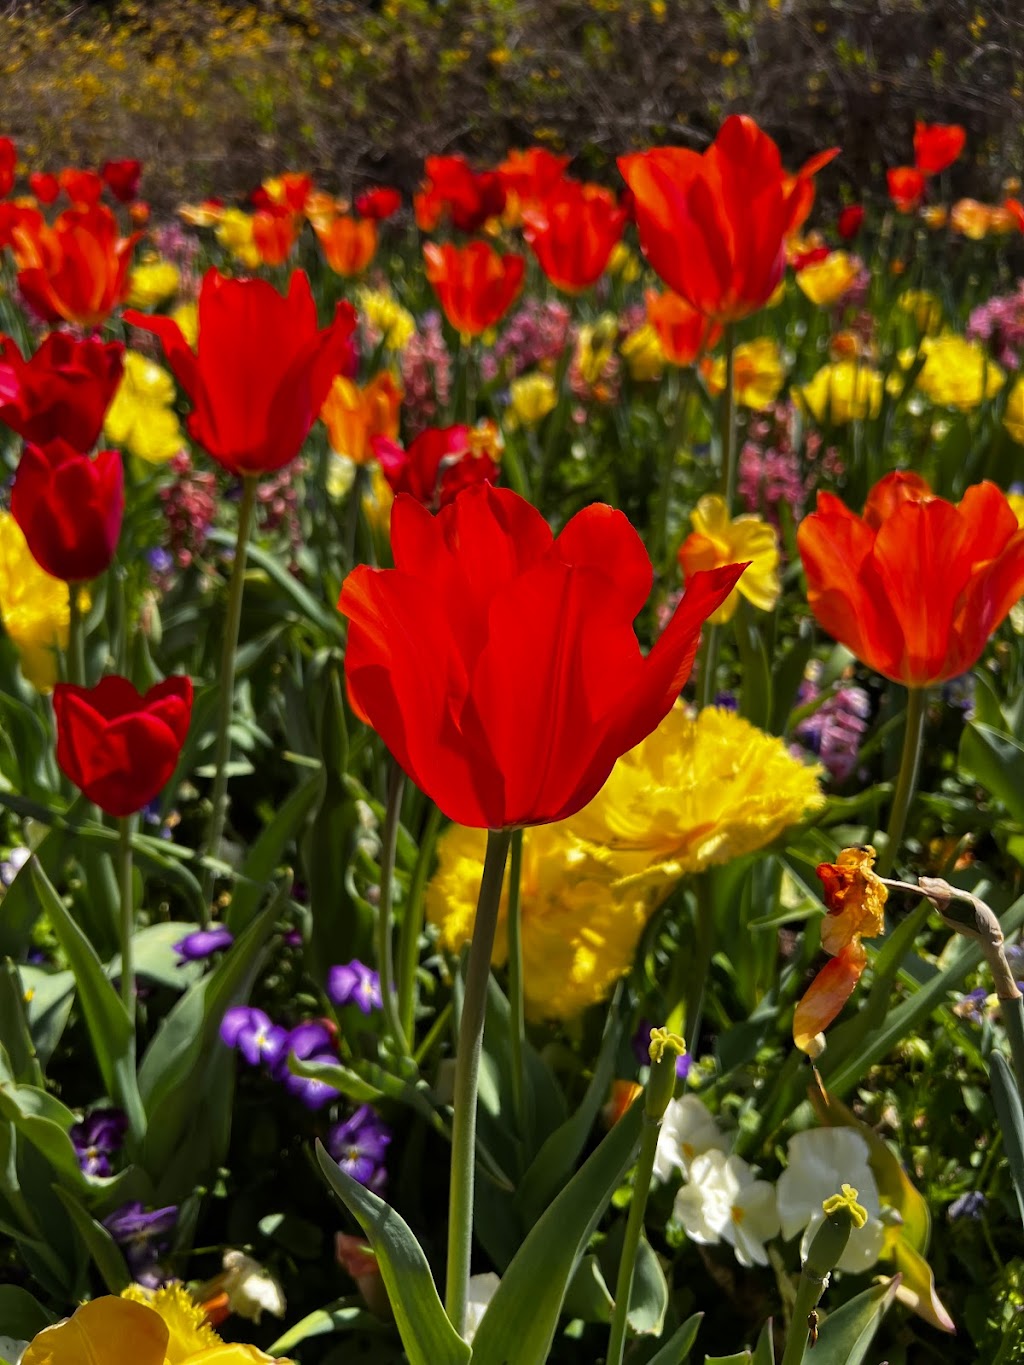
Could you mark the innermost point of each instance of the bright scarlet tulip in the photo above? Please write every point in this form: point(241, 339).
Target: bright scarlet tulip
point(379, 203)
point(800, 188)
point(8, 165)
point(78, 268)
point(937, 145)
point(906, 187)
point(44, 185)
point(475, 286)
point(528, 177)
point(275, 230)
point(69, 507)
point(714, 226)
point(436, 466)
point(499, 664)
point(452, 189)
point(349, 244)
point(82, 187)
point(850, 221)
point(573, 231)
point(262, 371)
point(122, 178)
point(63, 389)
point(119, 747)
point(915, 586)
point(683, 333)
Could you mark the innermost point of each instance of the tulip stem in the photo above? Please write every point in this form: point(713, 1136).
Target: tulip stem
point(412, 924)
point(222, 754)
point(907, 780)
point(728, 419)
point(708, 666)
point(76, 637)
point(124, 869)
point(385, 955)
point(467, 1076)
point(517, 1016)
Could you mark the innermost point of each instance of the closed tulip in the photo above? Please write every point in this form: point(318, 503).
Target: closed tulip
point(62, 390)
point(572, 232)
point(122, 178)
point(8, 165)
point(937, 145)
point(452, 190)
point(69, 507)
point(684, 333)
point(354, 414)
point(474, 284)
point(349, 244)
point(906, 187)
point(379, 203)
point(78, 268)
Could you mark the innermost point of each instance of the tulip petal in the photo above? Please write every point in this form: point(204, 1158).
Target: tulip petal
point(603, 539)
point(827, 994)
point(105, 1330)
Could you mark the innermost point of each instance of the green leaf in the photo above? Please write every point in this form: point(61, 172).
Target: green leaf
point(44, 1121)
point(20, 1316)
point(49, 996)
point(265, 855)
point(21, 903)
point(649, 1297)
point(740, 1358)
point(344, 1315)
point(845, 1336)
point(519, 1324)
point(588, 1296)
point(427, 1335)
point(1010, 1116)
point(15, 1029)
point(676, 1350)
point(301, 598)
point(101, 1246)
point(997, 762)
point(154, 956)
point(764, 1351)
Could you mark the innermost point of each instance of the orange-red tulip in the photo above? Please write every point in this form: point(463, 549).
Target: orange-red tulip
point(354, 415)
point(8, 165)
point(915, 586)
point(906, 187)
point(1015, 209)
point(682, 332)
point(452, 189)
point(379, 203)
point(573, 232)
point(800, 187)
point(275, 230)
point(78, 268)
point(937, 145)
point(528, 177)
point(348, 244)
point(81, 187)
point(475, 286)
point(44, 185)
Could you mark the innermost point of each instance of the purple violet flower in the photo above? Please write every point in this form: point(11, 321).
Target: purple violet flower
point(143, 1237)
point(355, 984)
point(203, 943)
point(311, 1041)
point(969, 1205)
point(13, 863)
point(255, 1037)
point(98, 1137)
point(360, 1145)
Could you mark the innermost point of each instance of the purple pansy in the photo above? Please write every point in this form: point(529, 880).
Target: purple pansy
point(311, 1041)
point(355, 984)
point(360, 1146)
point(98, 1137)
point(203, 943)
point(143, 1237)
point(253, 1034)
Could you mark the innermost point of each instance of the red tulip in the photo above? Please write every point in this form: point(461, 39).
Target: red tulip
point(528, 177)
point(62, 390)
point(275, 230)
point(917, 585)
point(800, 188)
point(714, 226)
point(452, 189)
point(44, 185)
point(906, 187)
point(937, 145)
point(8, 165)
point(683, 333)
point(119, 747)
point(1015, 209)
point(474, 284)
point(379, 203)
point(262, 371)
point(82, 187)
point(69, 508)
point(78, 268)
point(122, 179)
point(850, 221)
point(436, 466)
point(499, 664)
point(573, 232)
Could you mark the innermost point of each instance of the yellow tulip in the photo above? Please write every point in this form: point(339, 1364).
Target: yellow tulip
point(717, 539)
point(1013, 417)
point(828, 280)
point(354, 415)
point(846, 391)
point(108, 1331)
point(532, 396)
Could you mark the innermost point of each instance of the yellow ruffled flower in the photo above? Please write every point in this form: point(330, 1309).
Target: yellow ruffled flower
point(386, 315)
point(531, 397)
point(718, 539)
point(236, 234)
point(152, 283)
point(186, 315)
point(958, 373)
point(187, 1328)
point(643, 355)
point(842, 392)
point(758, 373)
point(35, 608)
point(924, 308)
point(1013, 417)
point(828, 280)
point(141, 418)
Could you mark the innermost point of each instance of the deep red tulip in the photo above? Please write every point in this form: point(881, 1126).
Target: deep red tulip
point(917, 585)
point(684, 334)
point(44, 185)
point(78, 268)
point(8, 165)
point(714, 226)
point(937, 145)
point(436, 466)
point(475, 286)
point(573, 232)
point(452, 189)
point(378, 203)
point(499, 664)
point(906, 187)
point(850, 221)
point(62, 390)
point(122, 179)
point(120, 747)
point(69, 507)
point(82, 187)
point(262, 371)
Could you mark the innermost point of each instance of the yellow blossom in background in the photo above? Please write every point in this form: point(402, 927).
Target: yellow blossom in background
point(1013, 417)
point(152, 283)
point(842, 392)
point(141, 418)
point(34, 607)
point(718, 539)
point(235, 234)
point(958, 373)
point(970, 218)
point(207, 214)
point(758, 373)
point(624, 263)
point(354, 414)
point(377, 499)
point(1016, 501)
point(923, 307)
point(387, 317)
point(531, 397)
point(595, 347)
point(826, 281)
point(643, 355)
point(186, 315)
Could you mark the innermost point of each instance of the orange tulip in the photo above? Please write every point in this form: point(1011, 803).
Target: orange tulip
point(474, 284)
point(714, 226)
point(917, 585)
point(275, 230)
point(683, 332)
point(354, 416)
point(937, 145)
point(349, 244)
point(573, 232)
point(906, 187)
point(78, 268)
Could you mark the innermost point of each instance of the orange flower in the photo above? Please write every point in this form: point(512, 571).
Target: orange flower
point(855, 899)
point(78, 268)
point(683, 332)
point(937, 145)
point(1015, 208)
point(714, 226)
point(917, 585)
point(906, 186)
point(971, 219)
point(348, 244)
point(474, 284)
point(291, 190)
point(354, 416)
point(275, 230)
point(573, 232)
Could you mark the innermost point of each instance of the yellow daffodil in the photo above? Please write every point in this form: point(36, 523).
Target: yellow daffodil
point(643, 355)
point(1013, 417)
point(235, 232)
point(718, 539)
point(141, 418)
point(828, 280)
point(387, 317)
point(842, 392)
point(923, 307)
point(531, 397)
point(958, 373)
point(34, 607)
point(152, 283)
point(758, 373)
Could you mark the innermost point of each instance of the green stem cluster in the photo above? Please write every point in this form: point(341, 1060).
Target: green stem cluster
point(385, 952)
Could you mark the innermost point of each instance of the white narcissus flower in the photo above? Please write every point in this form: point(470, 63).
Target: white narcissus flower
point(482, 1289)
point(10, 1350)
point(688, 1129)
point(250, 1287)
point(723, 1202)
point(819, 1163)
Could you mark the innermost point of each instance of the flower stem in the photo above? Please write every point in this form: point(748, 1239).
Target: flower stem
point(517, 1016)
point(385, 959)
point(808, 1296)
point(124, 870)
point(907, 780)
point(76, 638)
point(1012, 1011)
point(412, 924)
point(467, 1076)
point(708, 666)
point(222, 753)
point(728, 419)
